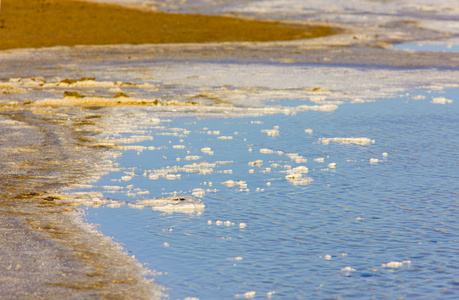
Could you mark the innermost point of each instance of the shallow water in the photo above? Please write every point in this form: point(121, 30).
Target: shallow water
point(363, 215)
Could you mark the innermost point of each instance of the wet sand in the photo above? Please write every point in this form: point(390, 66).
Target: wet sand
point(46, 23)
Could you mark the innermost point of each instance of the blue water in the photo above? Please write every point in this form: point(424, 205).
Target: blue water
point(427, 47)
point(363, 215)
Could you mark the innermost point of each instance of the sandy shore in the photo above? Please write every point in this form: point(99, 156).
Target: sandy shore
point(45, 23)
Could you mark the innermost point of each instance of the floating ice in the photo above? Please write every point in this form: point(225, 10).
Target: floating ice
point(328, 257)
point(319, 159)
point(309, 131)
point(441, 100)
point(218, 222)
point(166, 244)
point(332, 165)
point(223, 137)
point(178, 146)
point(349, 140)
point(374, 160)
point(385, 154)
point(198, 192)
point(242, 225)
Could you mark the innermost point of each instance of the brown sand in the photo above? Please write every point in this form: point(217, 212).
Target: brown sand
point(45, 23)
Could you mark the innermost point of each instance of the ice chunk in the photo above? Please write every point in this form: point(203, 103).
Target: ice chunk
point(246, 295)
point(242, 225)
point(385, 154)
point(309, 131)
point(328, 257)
point(374, 160)
point(319, 159)
point(332, 165)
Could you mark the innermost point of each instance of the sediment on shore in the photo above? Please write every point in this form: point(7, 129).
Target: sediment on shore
point(47, 251)
point(46, 23)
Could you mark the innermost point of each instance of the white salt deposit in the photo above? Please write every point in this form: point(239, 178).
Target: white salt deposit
point(207, 150)
point(396, 264)
point(441, 100)
point(255, 163)
point(266, 151)
point(272, 132)
point(186, 204)
point(349, 140)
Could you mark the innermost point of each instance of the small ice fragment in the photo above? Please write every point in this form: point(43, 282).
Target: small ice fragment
point(332, 165)
point(228, 223)
point(268, 183)
point(209, 222)
point(242, 225)
point(374, 160)
point(320, 159)
point(343, 254)
point(308, 131)
point(198, 192)
point(385, 154)
point(328, 257)
point(349, 140)
point(270, 294)
point(218, 222)
point(166, 244)
point(238, 258)
point(178, 146)
point(251, 171)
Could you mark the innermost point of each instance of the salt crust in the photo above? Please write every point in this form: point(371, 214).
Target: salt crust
point(441, 100)
point(186, 204)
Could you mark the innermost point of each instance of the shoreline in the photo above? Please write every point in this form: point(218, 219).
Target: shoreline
point(47, 23)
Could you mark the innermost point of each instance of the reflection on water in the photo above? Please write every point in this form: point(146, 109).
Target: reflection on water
point(381, 222)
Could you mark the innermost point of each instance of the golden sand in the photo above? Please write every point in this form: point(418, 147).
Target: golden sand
point(45, 23)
